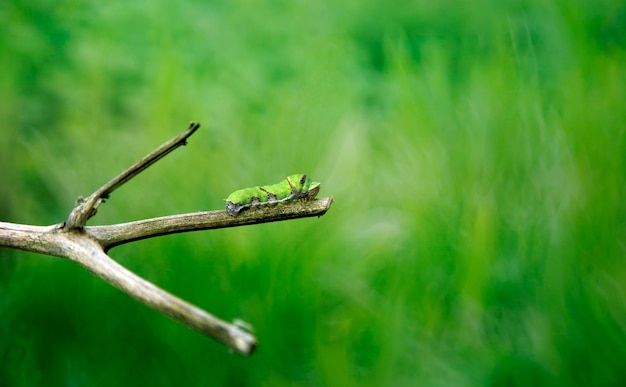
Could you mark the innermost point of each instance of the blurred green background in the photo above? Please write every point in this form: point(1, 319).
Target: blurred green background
point(475, 151)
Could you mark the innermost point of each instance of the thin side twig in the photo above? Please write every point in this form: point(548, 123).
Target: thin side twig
point(86, 208)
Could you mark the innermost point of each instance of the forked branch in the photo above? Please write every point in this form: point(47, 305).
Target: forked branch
point(88, 245)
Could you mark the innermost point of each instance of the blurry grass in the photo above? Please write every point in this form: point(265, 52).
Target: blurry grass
point(474, 151)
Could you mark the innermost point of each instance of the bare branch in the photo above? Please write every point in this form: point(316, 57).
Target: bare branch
point(86, 208)
point(117, 234)
point(79, 247)
point(88, 245)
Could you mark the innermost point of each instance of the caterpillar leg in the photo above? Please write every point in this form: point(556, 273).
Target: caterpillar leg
point(234, 209)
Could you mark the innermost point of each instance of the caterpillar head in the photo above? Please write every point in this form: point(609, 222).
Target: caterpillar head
point(302, 187)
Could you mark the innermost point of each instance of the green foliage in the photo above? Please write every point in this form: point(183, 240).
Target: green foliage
point(475, 151)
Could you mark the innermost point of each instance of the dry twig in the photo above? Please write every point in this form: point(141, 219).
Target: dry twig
point(88, 246)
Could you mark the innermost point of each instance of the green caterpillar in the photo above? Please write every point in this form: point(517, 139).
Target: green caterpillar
point(297, 186)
